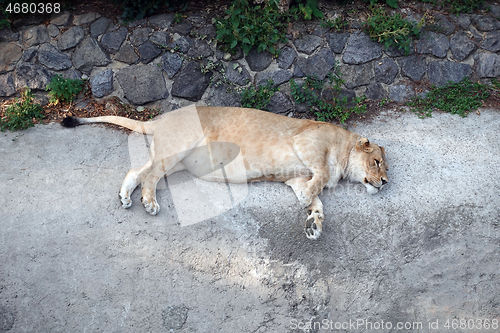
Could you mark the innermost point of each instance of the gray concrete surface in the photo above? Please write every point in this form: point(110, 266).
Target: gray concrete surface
point(425, 250)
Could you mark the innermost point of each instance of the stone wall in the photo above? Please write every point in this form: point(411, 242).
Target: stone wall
point(130, 61)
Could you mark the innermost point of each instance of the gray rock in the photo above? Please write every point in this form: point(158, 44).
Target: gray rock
point(443, 24)
point(112, 41)
point(9, 56)
point(207, 30)
point(344, 97)
point(161, 21)
point(320, 31)
point(278, 77)
point(258, 61)
point(401, 93)
point(71, 38)
point(394, 51)
point(440, 72)
point(433, 43)
point(413, 66)
point(33, 76)
point(280, 103)
point(327, 55)
point(127, 54)
point(375, 92)
point(182, 44)
point(307, 44)
point(183, 28)
point(487, 65)
point(139, 36)
point(29, 54)
point(137, 23)
point(171, 63)
point(491, 41)
point(361, 49)
point(35, 36)
point(462, 46)
point(89, 54)
point(463, 21)
point(142, 83)
point(287, 57)
point(100, 26)
point(223, 95)
point(102, 83)
point(297, 72)
point(237, 74)
point(7, 35)
point(85, 18)
point(200, 48)
point(52, 58)
point(160, 37)
point(495, 11)
point(485, 22)
point(315, 66)
point(53, 30)
point(71, 74)
point(196, 20)
point(62, 20)
point(191, 83)
point(386, 70)
point(358, 75)
point(147, 52)
point(7, 86)
point(337, 41)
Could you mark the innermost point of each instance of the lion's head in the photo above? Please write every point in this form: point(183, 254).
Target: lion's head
point(368, 165)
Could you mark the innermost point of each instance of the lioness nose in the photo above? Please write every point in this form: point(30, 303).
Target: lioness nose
point(384, 181)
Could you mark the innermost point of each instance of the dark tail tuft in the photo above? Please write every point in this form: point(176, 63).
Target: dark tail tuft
point(70, 122)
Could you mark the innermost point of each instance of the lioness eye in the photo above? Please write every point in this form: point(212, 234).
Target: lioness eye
point(377, 162)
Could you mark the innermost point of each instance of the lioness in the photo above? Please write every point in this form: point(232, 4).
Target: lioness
point(307, 155)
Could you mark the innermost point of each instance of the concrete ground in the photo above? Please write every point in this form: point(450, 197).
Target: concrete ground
point(423, 255)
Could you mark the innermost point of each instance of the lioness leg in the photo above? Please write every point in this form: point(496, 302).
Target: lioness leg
point(151, 176)
point(316, 161)
point(133, 179)
point(315, 215)
point(129, 184)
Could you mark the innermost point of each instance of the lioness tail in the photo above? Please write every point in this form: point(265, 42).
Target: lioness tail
point(134, 125)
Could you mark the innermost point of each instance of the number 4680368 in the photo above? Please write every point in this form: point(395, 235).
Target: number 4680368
point(33, 8)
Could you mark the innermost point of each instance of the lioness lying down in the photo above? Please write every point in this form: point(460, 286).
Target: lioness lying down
point(307, 155)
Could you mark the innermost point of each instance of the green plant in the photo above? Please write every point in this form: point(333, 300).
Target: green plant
point(459, 6)
point(337, 24)
point(390, 3)
point(258, 98)
point(63, 90)
point(326, 109)
point(309, 8)
point(391, 30)
point(22, 113)
point(457, 98)
point(138, 9)
point(248, 26)
point(178, 17)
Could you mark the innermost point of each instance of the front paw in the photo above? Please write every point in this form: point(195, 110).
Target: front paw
point(314, 224)
point(152, 207)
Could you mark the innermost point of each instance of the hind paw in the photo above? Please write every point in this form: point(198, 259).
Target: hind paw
point(314, 224)
point(125, 200)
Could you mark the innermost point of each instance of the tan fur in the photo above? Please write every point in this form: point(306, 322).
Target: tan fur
point(307, 155)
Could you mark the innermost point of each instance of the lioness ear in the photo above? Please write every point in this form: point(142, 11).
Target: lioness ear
point(364, 145)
